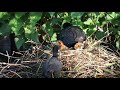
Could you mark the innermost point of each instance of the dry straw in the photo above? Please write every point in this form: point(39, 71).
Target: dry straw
point(94, 61)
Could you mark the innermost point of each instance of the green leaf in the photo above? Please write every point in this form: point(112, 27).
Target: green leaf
point(88, 22)
point(67, 19)
point(119, 33)
point(54, 37)
point(19, 41)
point(118, 44)
point(51, 14)
point(3, 14)
point(77, 23)
point(27, 30)
point(101, 20)
point(76, 14)
point(111, 16)
point(89, 31)
point(34, 17)
point(4, 29)
point(50, 32)
point(34, 37)
point(30, 33)
point(15, 25)
point(19, 14)
point(99, 34)
point(49, 29)
point(55, 21)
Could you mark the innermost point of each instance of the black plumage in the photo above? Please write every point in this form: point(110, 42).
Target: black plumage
point(7, 43)
point(70, 35)
point(52, 67)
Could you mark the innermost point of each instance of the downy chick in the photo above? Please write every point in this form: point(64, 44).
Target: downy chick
point(52, 67)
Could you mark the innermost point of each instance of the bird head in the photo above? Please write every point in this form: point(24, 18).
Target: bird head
point(55, 50)
point(61, 45)
point(65, 25)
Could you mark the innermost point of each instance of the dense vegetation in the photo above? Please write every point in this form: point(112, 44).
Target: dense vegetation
point(45, 26)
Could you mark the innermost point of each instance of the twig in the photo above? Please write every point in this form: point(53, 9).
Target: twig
point(48, 37)
point(97, 42)
point(8, 56)
point(4, 67)
point(10, 64)
point(109, 15)
point(14, 73)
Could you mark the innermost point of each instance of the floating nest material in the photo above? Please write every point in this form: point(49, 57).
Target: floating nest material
point(94, 61)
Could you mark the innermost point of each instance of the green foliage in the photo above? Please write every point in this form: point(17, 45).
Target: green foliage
point(19, 41)
point(4, 29)
point(118, 44)
point(23, 24)
point(2, 14)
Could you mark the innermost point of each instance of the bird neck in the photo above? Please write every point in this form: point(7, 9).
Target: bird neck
point(55, 54)
point(55, 51)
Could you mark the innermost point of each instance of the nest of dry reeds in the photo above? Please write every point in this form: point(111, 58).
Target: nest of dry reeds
point(94, 61)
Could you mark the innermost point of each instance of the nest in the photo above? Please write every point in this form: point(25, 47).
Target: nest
point(26, 66)
point(94, 61)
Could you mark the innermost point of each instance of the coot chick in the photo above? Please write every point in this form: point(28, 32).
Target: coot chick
point(52, 67)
